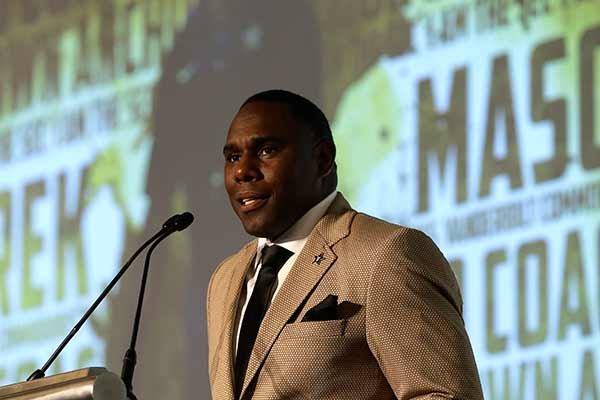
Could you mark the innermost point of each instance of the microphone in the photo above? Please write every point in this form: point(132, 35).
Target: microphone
point(177, 222)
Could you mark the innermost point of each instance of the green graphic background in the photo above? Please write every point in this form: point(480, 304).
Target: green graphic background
point(474, 122)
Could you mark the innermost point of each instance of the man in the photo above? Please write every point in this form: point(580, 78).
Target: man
point(327, 303)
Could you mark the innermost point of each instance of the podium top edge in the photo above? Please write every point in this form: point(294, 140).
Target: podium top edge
point(51, 380)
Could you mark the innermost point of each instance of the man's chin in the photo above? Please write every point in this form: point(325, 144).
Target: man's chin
point(262, 229)
point(257, 229)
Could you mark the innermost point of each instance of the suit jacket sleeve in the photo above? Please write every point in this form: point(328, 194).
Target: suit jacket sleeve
point(414, 321)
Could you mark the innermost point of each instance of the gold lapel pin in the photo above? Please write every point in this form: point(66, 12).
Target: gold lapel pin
point(319, 258)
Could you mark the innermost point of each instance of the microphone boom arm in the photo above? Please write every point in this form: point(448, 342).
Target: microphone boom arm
point(176, 223)
point(130, 358)
point(40, 373)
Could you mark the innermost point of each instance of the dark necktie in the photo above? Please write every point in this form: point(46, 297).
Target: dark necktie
point(273, 258)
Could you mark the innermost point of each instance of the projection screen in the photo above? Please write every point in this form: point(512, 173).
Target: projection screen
point(474, 121)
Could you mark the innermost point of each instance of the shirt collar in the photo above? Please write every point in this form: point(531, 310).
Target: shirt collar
point(294, 238)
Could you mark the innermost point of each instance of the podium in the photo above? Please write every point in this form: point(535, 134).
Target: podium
point(83, 384)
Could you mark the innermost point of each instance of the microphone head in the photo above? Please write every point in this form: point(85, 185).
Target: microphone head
point(179, 222)
point(185, 220)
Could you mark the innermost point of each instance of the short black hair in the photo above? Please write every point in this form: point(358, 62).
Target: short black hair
point(300, 107)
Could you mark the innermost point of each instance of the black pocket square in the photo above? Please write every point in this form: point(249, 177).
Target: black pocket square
point(324, 311)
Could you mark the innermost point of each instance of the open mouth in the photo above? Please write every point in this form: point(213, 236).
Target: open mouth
point(252, 203)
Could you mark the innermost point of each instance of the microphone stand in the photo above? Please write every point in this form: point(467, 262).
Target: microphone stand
point(130, 358)
point(40, 373)
point(176, 223)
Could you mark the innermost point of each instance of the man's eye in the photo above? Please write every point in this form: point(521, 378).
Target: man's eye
point(231, 158)
point(267, 151)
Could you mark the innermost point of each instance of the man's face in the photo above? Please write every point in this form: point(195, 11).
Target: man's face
point(272, 171)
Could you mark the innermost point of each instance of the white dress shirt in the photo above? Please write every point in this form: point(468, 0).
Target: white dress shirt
point(293, 240)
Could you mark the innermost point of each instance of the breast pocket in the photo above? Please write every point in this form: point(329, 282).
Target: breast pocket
point(317, 329)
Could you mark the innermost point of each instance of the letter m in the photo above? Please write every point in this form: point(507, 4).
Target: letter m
point(442, 132)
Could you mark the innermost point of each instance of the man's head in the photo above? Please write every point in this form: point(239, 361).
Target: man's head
point(279, 161)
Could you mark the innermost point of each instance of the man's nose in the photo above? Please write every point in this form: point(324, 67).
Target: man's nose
point(247, 170)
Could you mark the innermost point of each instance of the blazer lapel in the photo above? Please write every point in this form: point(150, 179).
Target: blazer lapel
point(225, 379)
point(313, 261)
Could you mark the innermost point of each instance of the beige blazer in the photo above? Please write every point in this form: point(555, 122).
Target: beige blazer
point(400, 333)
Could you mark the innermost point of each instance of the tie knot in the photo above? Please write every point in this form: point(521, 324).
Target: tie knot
point(274, 256)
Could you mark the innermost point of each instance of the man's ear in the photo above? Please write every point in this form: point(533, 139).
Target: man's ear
point(325, 152)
